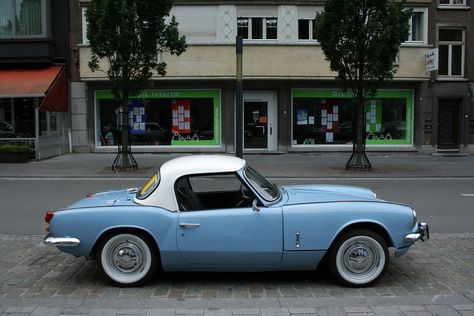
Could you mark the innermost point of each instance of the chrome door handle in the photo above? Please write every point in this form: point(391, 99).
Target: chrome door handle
point(188, 225)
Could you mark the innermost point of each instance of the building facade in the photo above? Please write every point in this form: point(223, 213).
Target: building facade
point(291, 101)
point(447, 114)
point(33, 75)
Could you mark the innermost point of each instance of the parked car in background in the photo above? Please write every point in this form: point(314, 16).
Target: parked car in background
point(216, 213)
point(6, 130)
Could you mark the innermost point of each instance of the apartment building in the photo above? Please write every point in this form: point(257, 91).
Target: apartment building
point(291, 100)
point(447, 113)
point(33, 75)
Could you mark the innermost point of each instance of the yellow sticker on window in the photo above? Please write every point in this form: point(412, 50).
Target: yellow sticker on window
point(150, 182)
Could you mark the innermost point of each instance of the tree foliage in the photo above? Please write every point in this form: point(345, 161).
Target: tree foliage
point(130, 34)
point(361, 39)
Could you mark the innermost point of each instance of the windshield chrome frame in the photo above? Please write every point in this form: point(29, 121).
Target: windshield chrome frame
point(257, 191)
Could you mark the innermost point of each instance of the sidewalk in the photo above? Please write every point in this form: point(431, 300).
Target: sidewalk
point(435, 278)
point(292, 165)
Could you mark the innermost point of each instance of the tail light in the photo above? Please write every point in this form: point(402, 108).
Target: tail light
point(47, 218)
point(90, 194)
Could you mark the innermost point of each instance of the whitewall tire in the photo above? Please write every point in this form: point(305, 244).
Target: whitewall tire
point(127, 259)
point(359, 258)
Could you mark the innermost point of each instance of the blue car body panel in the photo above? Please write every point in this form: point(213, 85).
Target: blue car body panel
point(291, 233)
point(232, 237)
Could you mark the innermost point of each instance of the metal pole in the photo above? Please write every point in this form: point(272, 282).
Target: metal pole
point(239, 99)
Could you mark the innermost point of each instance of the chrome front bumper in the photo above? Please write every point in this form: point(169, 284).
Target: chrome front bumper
point(61, 241)
point(422, 232)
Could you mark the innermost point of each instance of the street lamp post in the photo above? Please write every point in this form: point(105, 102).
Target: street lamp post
point(239, 98)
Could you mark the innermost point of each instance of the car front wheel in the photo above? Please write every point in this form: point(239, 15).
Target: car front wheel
point(127, 259)
point(359, 258)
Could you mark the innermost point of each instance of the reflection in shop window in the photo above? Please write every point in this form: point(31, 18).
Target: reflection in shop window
point(331, 121)
point(159, 122)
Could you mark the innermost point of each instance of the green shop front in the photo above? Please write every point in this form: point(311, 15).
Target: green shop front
point(162, 118)
point(326, 118)
point(191, 120)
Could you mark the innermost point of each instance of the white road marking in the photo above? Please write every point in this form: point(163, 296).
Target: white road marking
point(467, 194)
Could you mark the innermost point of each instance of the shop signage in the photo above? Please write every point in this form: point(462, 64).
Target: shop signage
point(431, 60)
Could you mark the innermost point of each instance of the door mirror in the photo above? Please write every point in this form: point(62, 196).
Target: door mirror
point(255, 207)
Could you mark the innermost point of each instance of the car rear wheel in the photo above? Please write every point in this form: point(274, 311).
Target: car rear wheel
point(127, 259)
point(359, 258)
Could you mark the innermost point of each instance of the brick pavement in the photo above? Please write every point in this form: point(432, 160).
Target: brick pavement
point(435, 278)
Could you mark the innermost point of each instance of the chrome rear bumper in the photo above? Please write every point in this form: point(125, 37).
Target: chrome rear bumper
point(61, 241)
point(422, 232)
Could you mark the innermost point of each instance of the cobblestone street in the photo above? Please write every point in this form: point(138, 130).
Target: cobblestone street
point(435, 278)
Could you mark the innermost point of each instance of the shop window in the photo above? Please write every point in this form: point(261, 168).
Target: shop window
point(305, 30)
point(329, 120)
point(24, 116)
point(163, 119)
point(257, 28)
point(451, 53)
point(418, 24)
point(22, 18)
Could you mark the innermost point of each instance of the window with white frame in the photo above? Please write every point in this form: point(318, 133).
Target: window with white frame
point(418, 26)
point(453, 2)
point(305, 30)
point(85, 40)
point(451, 52)
point(22, 18)
point(257, 28)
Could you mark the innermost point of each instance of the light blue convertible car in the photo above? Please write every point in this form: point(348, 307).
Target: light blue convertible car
point(216, 213)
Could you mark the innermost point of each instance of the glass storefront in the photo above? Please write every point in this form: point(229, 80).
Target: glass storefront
point(162, 118)
point(17, 117)
point(326, 117)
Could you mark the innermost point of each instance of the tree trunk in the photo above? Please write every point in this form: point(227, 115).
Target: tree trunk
point(124, 159)
point(358, 159)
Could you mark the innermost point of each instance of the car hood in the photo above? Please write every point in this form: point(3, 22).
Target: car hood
point(109, 198)
point(301, 194)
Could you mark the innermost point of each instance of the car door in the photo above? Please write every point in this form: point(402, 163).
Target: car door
point(227, 231)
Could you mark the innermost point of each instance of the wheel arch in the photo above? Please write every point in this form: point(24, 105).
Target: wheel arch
point(373, 226)
point(123, 230)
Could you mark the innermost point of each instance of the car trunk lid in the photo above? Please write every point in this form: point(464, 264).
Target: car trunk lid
point(108, 198)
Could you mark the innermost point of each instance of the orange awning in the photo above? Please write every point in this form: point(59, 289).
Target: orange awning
point(49, 82)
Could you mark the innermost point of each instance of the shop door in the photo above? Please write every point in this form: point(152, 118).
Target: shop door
point(259, 121)
point(448, 124)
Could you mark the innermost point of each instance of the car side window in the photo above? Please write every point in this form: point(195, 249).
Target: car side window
point(215, 191)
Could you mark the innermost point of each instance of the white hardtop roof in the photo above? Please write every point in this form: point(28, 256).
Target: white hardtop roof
point(181, 166)
point(171, 170)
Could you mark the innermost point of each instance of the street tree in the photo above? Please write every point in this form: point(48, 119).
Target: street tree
point(126, 37)
point(361, 39)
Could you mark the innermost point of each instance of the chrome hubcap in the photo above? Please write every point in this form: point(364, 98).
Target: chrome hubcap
point(127, 257)
point(358, 258)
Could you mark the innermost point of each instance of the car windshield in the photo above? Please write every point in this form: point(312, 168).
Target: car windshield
point(267, 190)
point(149, 187)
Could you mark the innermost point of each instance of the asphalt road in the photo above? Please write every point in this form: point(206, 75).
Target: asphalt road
point(446, 204)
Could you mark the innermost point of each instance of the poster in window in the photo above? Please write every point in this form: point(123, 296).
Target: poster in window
point(137, 117)
point(181, 111)
point(373, 116)
point(301, 117)
point(329, 118)
point(329, 137)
